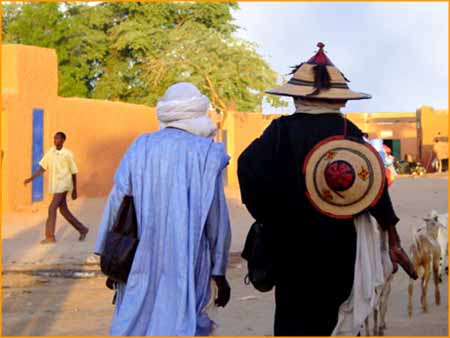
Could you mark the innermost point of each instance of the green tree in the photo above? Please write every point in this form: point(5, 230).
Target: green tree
point(10, 12)
point(32, 23)
point(80, 47)
point(154, 45)
point(133, 51)
point(228, 69)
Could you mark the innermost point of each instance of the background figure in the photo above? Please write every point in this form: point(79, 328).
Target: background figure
point(63, 179)
point(440, 154)
point(389, 163)
point(377, 143)
point(175, 178)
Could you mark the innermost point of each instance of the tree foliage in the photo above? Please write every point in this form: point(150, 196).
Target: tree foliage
point(133, 51)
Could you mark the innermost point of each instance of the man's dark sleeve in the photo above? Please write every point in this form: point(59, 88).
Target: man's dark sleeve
point(256, 174)
point(383, 211)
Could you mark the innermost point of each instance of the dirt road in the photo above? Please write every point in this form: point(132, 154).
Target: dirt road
point(45, 305)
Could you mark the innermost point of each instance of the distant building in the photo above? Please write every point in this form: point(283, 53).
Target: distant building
point(406, 134)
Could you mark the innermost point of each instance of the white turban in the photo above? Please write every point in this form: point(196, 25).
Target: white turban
point(183, 106)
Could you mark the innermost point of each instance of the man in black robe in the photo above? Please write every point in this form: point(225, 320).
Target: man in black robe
point(314, 254)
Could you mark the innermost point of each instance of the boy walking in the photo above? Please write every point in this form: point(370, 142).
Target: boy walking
point(63, 179)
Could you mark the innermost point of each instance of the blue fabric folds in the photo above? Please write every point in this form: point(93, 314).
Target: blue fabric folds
point(184, 233)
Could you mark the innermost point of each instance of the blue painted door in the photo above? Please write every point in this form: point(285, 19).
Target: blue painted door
point(37, 153)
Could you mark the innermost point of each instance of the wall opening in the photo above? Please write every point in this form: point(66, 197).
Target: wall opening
point(395, 145)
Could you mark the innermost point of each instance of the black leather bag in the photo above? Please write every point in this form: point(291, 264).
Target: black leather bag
point(257, 253)
point(121, 243)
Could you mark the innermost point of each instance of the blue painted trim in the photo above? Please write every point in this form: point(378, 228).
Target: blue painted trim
point(37, 153)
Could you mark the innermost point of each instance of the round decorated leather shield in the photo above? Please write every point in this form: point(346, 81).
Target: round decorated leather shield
point(343, 177)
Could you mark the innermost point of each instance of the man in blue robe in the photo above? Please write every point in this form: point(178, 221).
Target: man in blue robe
point(175, 178)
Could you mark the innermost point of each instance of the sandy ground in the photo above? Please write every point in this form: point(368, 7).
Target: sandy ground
point(44, 305)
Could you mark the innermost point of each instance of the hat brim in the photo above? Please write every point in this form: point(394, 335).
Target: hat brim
point(330, 94)
point(363, 203)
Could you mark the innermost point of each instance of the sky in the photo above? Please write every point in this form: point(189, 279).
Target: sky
point(397, 52)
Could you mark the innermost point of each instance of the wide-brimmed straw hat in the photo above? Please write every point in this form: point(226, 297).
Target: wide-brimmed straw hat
point(318, 78)
point(343, 176)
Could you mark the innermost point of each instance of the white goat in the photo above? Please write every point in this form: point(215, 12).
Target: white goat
point(380, 309)
point(379, 312)
point(426, 256)
point(443, 241)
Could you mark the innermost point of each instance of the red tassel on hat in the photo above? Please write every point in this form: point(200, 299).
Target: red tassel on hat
point(320, 58)
point(321, 76)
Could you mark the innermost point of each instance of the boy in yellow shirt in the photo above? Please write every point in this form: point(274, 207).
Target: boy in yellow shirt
point(63, 178)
